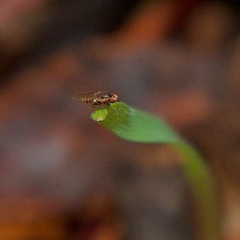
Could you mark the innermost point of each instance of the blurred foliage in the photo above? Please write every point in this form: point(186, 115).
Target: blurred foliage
point(135, 125)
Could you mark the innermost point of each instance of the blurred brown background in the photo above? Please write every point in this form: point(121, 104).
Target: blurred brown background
point(62, 176)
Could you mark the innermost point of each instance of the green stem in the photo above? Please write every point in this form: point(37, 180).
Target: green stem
point(204, 192)
point(138, 126)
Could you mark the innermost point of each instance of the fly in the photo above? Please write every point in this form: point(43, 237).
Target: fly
point(97, 99)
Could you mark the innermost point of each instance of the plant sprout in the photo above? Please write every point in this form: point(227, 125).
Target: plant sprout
point(138, 126)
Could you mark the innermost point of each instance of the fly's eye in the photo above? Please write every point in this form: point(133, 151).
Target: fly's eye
point(114, 98)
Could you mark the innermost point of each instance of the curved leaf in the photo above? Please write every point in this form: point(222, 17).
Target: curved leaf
point(136, 125)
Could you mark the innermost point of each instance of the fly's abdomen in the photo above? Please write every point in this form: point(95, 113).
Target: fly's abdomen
point(86, 98)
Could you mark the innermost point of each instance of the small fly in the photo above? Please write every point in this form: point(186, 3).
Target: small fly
point(97, 99)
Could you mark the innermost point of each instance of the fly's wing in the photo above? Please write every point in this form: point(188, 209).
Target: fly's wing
point(85, 97)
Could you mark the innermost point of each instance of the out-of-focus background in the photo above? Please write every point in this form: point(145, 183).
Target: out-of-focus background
point(62, 176)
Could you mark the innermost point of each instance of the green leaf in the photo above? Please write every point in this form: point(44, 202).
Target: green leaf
point(138, 126)
point(100, 114)
point(135, 125)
